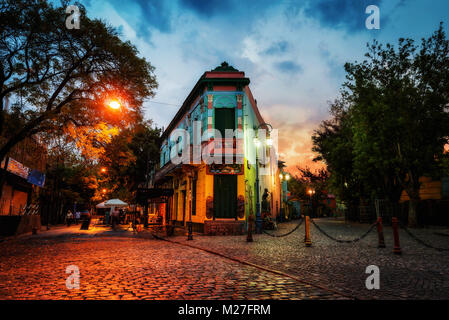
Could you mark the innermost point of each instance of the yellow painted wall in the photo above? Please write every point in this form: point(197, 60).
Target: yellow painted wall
point(241, 190)
point(430, 189)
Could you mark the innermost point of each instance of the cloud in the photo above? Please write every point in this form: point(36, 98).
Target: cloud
point(208, 8)
point(274, 42)
point(277, 48)
point(145, 16)
point(344, 14)
point(288, 66)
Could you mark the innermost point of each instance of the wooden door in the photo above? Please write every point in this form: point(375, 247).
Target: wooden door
point(225, 196)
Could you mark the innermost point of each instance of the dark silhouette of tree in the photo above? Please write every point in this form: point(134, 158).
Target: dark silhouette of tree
point(65, 75)
point(393, 120)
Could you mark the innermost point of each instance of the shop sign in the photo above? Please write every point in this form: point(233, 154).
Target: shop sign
point(225, 168)
point(36, 177)
point(17, 168)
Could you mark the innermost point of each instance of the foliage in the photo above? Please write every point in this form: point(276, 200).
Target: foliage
point(302, 184)
point(395, 120)
point(66, 75)
point(128, 158)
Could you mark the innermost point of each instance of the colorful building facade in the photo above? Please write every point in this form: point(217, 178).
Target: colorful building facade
point(209, 155)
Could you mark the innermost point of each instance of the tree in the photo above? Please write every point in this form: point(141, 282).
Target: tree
point(129, 158)
point(333, 142)
point(400, 106)
point(395, 105)
point(305, 181)
point(69, 180)
point(66, 75)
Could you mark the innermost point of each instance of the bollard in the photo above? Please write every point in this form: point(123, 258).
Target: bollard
point(380, 233)
point(308, 240)
point(249, 237)
point(190, 228)
point(397, 246)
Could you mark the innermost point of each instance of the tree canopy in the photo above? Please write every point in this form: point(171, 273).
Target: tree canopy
point(66, 75)
point(391, 123)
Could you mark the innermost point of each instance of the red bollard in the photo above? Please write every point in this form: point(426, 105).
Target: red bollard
point(397, 246)
point(308, 239)
point(380, 233)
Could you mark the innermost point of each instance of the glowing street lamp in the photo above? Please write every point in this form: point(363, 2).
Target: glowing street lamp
point(282, 177)
point(114, 104)
point(258, 143)
point(310, 192)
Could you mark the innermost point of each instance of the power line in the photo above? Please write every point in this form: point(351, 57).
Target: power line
point(169, 104)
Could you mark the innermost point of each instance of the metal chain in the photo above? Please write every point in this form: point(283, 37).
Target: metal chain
point(344, 241)
point(285, 234)
point(414, 237)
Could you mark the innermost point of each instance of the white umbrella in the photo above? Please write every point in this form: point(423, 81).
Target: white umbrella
point(114, 203)
point(101, 205)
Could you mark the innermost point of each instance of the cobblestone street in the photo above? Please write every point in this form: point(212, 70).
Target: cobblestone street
point(116, 265)
point(119, 265)
point(419, 273)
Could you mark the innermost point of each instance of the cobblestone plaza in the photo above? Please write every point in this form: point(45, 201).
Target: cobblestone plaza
point(120, 265)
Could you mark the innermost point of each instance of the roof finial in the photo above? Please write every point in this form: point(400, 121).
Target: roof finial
point(225, 67)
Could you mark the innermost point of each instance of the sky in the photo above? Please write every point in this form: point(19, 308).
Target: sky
point(292, 51)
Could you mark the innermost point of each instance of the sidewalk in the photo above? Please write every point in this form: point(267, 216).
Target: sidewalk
point(39, 232)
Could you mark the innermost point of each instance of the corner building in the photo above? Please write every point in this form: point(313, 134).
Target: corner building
point(217, 197)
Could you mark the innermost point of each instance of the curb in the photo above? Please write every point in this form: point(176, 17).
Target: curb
point(29, 234)
point(258, 267)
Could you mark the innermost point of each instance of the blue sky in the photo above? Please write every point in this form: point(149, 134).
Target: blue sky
point(293, 51)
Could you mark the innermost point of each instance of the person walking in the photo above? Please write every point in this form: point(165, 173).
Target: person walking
point(68, 218)
point(77, 217)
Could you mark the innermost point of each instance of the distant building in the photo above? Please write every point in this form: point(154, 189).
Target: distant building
point(23, 169)
point(217, 197)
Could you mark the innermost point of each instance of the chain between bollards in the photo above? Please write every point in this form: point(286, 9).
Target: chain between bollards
point(344, 241)
point(285, 234)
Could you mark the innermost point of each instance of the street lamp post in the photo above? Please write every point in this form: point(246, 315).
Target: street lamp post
point(192, 177)
point(311, 192)
point(258, 144)
point(282, 177)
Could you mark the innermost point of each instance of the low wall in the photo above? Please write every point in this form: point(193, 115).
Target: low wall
point(27, 223)
point(8, 225)
point(224, 227)
point(16, 225)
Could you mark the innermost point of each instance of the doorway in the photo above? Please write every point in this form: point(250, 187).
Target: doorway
point(225, 196)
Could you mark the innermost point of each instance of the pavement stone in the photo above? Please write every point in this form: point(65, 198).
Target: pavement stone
point(121, 266)
point(418, 273)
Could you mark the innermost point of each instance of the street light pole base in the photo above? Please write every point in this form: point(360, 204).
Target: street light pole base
point(190, 234)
